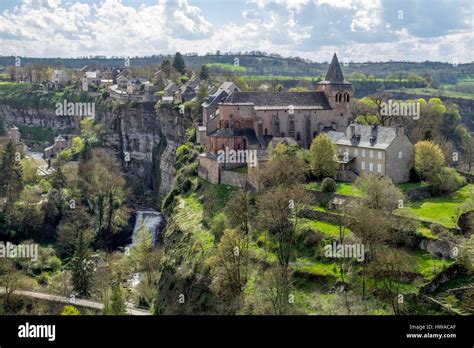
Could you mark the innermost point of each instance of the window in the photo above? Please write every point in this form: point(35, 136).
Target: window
point(371, 167)
point(400, 154)
point(362, 165)
point(379, 153)
point(379, 168)
point(363, 153)
point(356, 152)
point(371, 154)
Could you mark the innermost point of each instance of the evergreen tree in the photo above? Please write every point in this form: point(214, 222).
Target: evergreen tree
point(116, 305)
point(178, 63)
point(82, 266)
point(11, 174)
point(58, 179)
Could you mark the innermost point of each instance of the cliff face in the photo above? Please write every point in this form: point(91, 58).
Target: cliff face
point(136, 132)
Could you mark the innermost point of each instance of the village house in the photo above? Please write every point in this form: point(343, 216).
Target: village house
point(365, 149)
point(59, 78)
point(60, 143)
point(13, 133)
point(90, 78)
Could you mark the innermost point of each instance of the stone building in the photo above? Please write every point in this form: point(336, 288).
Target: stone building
point(251, 119)
point(373, 150)
point(14, 135)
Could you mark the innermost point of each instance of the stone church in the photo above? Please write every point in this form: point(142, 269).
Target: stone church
point(249, 120)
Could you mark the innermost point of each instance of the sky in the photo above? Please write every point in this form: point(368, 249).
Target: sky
point(358, 30)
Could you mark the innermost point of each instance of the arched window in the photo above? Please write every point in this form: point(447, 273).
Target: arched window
point(298, 136)
point(338, 97)
point(266, 131)
point(346, 97)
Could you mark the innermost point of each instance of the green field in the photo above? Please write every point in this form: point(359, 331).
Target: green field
point(441, 209)
point(342, 188)
point(327, 228)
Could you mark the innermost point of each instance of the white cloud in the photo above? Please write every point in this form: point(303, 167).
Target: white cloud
point(357, 29)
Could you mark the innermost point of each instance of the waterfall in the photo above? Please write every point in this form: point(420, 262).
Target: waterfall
point(152, 219)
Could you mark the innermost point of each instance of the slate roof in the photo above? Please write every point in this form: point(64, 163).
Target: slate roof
point(283, 99)
point(376, 137)
point(334, 73)
point(248, 133)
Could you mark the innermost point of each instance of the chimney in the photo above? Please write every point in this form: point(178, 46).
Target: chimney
point(400, 130)
point(352, 130)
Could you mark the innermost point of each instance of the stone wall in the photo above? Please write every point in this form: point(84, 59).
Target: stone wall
point(208, 169)
point(469, 176)
point(233, 178)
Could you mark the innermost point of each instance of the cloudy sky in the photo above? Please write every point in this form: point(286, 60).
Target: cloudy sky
point(358, 30)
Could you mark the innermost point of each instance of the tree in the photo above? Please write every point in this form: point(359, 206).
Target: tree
point(283, 168)
point(104, 192)
point(328, 185)
point(379, 192)
point(58, 179)
point(323, 152)
point(70, 310)
point(11, 175)
point(240, 210)
point(82, 266)
point(142, 254)
point(204, 72)
point(9, 279)
point(179, 64)
point(391, 268)
point(229, 269)
point(429, 158)
point(117, 305)
point(166, 68)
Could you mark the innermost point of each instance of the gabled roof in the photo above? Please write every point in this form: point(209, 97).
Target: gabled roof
point(334, 73)
point(376, 137)
point(283, 99)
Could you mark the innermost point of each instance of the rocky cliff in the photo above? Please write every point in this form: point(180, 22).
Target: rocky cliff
point(144, 140)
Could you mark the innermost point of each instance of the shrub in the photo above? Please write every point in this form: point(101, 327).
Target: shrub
point(43, 279)
point(446, 180)
point(54, 263)
point(328, 185)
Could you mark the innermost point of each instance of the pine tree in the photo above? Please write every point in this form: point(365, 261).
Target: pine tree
point(178, 63)
point(116, 306)
point(11, 174)
point(58, 179)
point(82, 266)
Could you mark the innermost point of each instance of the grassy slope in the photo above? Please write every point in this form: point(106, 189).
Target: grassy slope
point(441, 209)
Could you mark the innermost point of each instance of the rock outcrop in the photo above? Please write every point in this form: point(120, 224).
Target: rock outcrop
point(143, 139)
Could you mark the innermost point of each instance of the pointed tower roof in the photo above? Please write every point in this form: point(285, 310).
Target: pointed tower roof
point(334, 72)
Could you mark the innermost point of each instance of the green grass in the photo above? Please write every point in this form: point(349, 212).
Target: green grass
point(411, 185)
point(426, 232)
point(327, 228)
point(342, 188)
point(440, 209)
point(429, 266)
point(188, 217)
point(316, 268)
